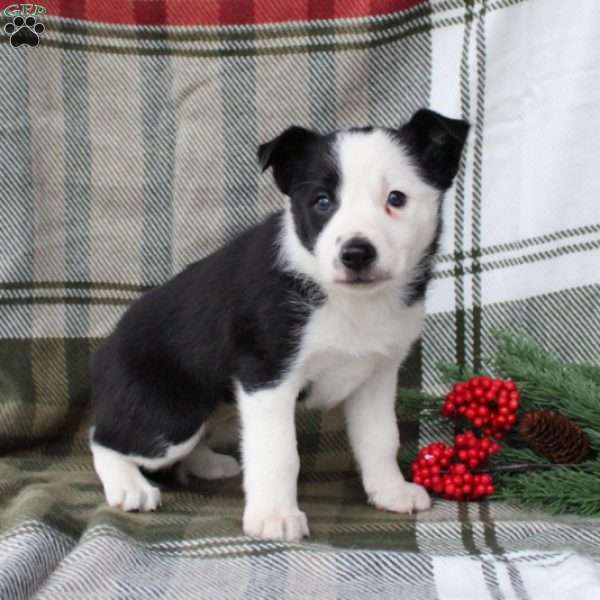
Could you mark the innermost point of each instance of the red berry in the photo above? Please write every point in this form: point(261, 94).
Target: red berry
point(513, 405)
point(466, 489)
point(460, 440)
point(490, 395)
point(511, 419)
point(457, 480)
point(478, 422)
point(449, 452)
point(480, 490)
point(460, 469)
point(489, 490)
point(449, 489)
point(470, 413)
point(483, 411)
point(498, 435)
point(510, 386)
point(478, 392)
point(463, 455)
point(427, 482)
point(473, 463)
point(444, 462)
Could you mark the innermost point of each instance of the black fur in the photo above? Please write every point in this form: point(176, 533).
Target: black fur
point(436, 143)
point(237, 314)
point(172, 357)
point(304, 167)
point(415, 289)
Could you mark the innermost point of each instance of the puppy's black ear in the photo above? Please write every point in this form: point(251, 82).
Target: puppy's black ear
point(284, 154)
point(436, 143)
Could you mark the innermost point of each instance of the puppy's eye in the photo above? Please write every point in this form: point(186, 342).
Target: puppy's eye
point(396, 199)
point(323, 203)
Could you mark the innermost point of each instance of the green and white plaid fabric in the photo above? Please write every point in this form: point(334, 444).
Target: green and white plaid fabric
point(129, 151)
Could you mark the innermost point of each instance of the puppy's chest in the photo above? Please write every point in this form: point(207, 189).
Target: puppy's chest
point(341, 349)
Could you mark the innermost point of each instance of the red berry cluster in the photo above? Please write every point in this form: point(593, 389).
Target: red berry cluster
point(491, 406)
point(434, 470)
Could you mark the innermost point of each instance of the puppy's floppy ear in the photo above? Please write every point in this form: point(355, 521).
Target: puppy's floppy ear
point(436, 143)
point(284, 153)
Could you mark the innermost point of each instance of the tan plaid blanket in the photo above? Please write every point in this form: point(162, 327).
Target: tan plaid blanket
point(128, 137)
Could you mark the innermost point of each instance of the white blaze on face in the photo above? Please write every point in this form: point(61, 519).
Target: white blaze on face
point(370, 166)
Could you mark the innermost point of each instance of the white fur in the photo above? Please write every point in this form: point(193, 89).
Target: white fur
point(375, 440)
point(205, 463)
point(371, 166)
point(126, 487)
point(350, 350)
point(123, 483)
point(271, 462)
point(352, 346)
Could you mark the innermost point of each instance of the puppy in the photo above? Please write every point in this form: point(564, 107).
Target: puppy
point(319, 304)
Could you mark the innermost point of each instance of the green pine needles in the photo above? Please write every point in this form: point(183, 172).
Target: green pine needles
point(523, 477)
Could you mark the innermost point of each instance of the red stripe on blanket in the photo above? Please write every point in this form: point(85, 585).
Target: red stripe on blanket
point(150, 13)
point(218, 12)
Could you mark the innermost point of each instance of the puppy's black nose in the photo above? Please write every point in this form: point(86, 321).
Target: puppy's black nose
point(357, 254)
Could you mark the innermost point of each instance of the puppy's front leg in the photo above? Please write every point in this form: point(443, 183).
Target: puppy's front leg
point(375, 440)
point(271, 463)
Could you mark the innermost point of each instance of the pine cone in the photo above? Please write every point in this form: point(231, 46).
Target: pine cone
point(554, 436)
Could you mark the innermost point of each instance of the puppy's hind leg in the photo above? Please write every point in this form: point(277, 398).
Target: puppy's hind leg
point(124, 485)
point(205, 463)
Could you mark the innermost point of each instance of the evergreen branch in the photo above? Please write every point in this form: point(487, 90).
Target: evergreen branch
point(451, 374)
point(413, 404)
point(545, 382)
point(536, 466)
point(591, 372)
point(510, 455)
point(566, 490)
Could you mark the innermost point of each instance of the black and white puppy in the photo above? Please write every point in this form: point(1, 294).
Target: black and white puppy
point(320, 302)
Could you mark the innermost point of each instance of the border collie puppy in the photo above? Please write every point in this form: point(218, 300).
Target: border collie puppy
point(319, 304)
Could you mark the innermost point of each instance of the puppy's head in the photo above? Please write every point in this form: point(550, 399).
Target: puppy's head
point(365, 203)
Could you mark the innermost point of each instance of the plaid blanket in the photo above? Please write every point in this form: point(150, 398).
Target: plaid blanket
point(128, 138)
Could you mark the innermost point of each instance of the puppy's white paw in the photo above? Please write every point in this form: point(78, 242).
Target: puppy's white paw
point(290, 526)
point(221, 467)
point(206, 464)
point(403, 497)
point(124, 485)
point(132, 493)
